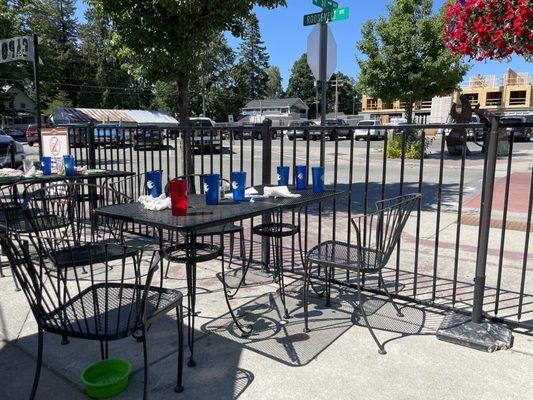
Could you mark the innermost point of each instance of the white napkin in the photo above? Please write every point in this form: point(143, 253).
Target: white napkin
point(279, 191)
point(155, 203)
point(250, 192)
point(31, 172)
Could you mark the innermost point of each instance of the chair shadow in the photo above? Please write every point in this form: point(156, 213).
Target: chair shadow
point(284, 341)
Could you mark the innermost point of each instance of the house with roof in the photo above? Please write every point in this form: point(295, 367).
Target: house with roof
point(19, 108)
point(280, 111)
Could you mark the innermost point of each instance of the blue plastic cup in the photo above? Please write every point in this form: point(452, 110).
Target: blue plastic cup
point(46, 163)
point(283, 176)
point(301, 172)
point(211, 188)
point(154, 183)
point(70, 165)
point(318, 179)
point(238, 185)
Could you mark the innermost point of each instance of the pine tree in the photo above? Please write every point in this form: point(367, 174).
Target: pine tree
point(274, 87)
point(252, 67)
point(105, 83)
point(302, 84)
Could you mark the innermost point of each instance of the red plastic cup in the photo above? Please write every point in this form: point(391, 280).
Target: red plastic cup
point(178, 197)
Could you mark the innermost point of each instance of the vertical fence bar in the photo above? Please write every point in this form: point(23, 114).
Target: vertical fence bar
point(526, 248)
point(459, 215)
point(504, 222)
point(437, 227)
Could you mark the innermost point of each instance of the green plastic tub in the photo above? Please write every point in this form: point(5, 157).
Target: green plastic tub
point(106, 378)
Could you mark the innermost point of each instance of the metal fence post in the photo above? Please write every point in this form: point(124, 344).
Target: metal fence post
point(266, 133)
point(484, 223)
point(472, 331)
point(91, 156)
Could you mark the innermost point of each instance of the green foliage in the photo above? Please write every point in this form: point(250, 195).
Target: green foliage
point(274, 87)
point(251, 70)
point(405, 57)
point(412, 147)
point(347, 92)
point(61, 100)
point(301, 84)
point(103, 83)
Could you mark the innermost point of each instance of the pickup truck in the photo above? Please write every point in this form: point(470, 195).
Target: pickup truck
point(206, 136)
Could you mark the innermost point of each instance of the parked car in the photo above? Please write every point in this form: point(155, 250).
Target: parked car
point(251, 130)
point(18, 134)
point(474, 134)
point(147, 137)
point(362, 131)
point(343, 130)
point(31, 133)
point(6, 144)
point(206, 135)
point(520, 133)
point(292, 130)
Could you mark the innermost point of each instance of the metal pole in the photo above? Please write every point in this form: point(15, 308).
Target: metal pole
point(484, 225)
point(323, 75)
point(36, 81)
point(266, 180)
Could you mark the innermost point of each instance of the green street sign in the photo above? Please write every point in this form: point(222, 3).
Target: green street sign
point(341, 13)
point(326, 4)
point(336, 15)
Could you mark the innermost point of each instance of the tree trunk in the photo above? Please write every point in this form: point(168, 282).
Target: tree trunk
point(409, 111)
point(183, 103)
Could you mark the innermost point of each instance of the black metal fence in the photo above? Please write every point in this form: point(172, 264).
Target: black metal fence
point(435, 262)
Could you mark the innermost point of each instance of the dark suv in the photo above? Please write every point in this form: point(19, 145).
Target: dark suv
point(343, 130)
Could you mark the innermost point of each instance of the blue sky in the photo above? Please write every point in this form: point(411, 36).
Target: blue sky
point(286, 38)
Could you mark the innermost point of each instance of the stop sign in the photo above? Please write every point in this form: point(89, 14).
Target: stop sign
point(313, 53)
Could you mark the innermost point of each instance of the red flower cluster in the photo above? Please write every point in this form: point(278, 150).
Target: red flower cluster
point(492, 29)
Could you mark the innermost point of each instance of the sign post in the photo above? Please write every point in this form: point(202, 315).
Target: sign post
point(327, 60)
point(36, 80)
point(24, 48)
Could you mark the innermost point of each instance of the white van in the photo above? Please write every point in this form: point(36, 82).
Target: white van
point(361, 132)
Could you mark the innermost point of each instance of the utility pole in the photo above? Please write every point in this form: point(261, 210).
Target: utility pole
point(316, 98)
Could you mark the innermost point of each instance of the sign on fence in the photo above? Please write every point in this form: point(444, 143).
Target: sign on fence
point(54, 143)
point(19, 48)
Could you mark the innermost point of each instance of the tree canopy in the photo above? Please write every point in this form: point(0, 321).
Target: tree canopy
point(274, 89)
point(405, 57)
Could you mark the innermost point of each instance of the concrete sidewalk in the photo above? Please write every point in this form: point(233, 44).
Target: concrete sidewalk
point(336, 360)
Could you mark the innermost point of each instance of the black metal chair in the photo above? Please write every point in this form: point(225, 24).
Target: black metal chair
point(100, 305)
point(276, 231)
point(377, 235)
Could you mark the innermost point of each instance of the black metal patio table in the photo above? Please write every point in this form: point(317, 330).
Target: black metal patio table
point(200, 216)
point(43, 179)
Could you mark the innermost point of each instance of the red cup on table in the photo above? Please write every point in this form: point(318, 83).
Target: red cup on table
point(178, 196)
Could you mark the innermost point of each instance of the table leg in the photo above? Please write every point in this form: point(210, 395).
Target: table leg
point(245, 331)
point(191, 295)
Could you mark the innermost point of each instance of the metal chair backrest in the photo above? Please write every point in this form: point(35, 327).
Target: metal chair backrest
point(65, 211)
point(380, 231)
point(88, 303)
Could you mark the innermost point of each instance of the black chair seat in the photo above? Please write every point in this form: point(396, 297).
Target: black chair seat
point(276, 230)
point(345, 256)
point(180, 253)
point(217, 230)
point(84, 255)
point(13, 219)
point(84, 316)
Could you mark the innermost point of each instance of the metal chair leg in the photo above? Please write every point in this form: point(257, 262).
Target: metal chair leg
point(179, 315)
point(327, 273)
point(281, 276)
point(398, 312)
point(306, 295)
point(145, 359)
point(39, 363)
point(360, 303)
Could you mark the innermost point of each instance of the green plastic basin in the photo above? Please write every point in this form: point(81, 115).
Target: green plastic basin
point(106, 378)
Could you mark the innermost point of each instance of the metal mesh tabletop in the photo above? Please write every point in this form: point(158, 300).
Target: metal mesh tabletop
point(199, 215)
point(58, 178)
point(307, 197)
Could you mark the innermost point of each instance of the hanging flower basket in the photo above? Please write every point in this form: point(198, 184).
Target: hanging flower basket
point(489, 29)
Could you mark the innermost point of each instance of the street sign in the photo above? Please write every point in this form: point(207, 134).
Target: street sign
point(336, 15)
point(313, 53)
point(19, 48)
point(54, 143)
point(326, 4)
